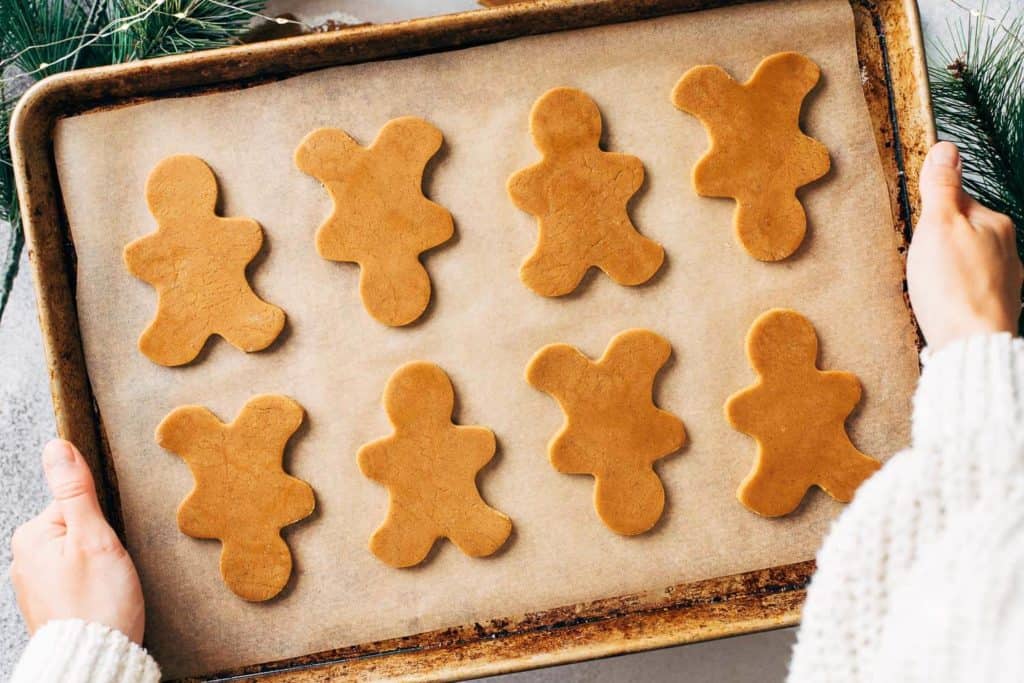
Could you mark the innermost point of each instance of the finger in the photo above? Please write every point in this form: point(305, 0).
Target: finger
point(71, 484)
point(940, 180)
point(52, 516)
point(30, 536)
point(981, 217)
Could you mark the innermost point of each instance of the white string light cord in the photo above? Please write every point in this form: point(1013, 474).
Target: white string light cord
point(979, 13)
point(122, 24)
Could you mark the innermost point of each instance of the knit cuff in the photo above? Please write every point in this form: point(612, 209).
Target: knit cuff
point(972, 388)
point(75, 651)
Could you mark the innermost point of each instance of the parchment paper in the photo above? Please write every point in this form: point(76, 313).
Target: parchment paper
point(482, 327)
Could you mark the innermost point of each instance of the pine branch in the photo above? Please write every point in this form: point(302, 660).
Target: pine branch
point(8, 209)
point(37, 35)
point(978, 97)
point(178, 26)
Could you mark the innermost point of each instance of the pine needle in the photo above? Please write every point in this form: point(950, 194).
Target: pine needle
point(978, 98)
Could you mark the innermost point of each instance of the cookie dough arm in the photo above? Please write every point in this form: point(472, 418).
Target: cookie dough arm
point(633, 168)
point(143, 259)
point(787, 77)
point(271, 419)
point(412, 140)
point(478, 445)
point(184, 426)
point(968, 447)
point(326, 154)
point(702, 89)
point(526, 190)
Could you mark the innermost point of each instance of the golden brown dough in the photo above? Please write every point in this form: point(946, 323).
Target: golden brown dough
point(381, 219)
point(796, 413)
point(758, 154)
point(196, 260)
point(429, 467)
point(579, 195)
point(242, 495)
point(612, 428)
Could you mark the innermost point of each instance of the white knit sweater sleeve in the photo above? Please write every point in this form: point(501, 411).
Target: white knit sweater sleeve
point(75, 651)
point(923, 559)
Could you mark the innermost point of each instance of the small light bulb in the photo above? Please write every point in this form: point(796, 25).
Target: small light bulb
point(281, 20)
point(43, 65)
point(180, 15)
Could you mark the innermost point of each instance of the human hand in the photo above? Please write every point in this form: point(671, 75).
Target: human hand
point(963, 271)
point(67, 561)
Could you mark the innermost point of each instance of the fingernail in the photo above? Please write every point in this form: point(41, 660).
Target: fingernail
point(945, 154)
point(58, 453)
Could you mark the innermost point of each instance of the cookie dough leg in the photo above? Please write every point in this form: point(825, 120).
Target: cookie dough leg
point(771, 231)
point(172, 342)
point(549, 274)
point(402, 540)
point(254, 324)
point(395, 292)
point(631, 501)
point(485, 531)
point(636, 262)
point(769, 497)
point(256, 569)
point(850, 471)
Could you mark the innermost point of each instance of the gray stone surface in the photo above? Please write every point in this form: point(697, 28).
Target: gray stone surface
point(26, 423)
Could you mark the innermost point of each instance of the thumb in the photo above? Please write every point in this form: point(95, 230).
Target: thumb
point(941, 177)
point(71, 484)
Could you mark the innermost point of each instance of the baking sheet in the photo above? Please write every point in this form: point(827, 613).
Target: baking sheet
point(482, 327)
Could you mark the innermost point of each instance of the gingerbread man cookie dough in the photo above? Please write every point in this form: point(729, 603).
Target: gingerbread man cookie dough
point(797, 415)
point(758, 155)
point(196, 260)
point(579, 195)
point(242, 496)
point(429, 466)
point(612, 428)
point(381, 219)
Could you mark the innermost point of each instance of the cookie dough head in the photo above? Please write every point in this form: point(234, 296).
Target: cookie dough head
point(783, 342)
point(181, 187)
point(565, 119)
point(419, 396)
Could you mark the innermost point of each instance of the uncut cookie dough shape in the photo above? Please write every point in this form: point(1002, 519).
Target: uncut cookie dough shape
point(429, 466)
point(797, 415)
point(758, 154)
point(196, 260)
point(381, 219)
point(242, 495)
point(579, 195)
point(612, 428)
